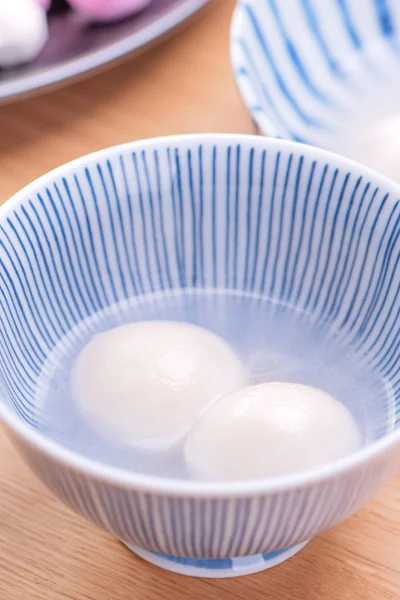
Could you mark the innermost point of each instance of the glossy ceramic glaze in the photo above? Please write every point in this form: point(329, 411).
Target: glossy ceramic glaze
point(265, 216)
point(309, 70)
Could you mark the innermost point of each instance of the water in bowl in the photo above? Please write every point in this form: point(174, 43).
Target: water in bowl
point(275, 341)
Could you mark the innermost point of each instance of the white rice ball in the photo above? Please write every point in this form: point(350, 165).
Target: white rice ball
point(269, 430)
point(146, 383)
point(23, 31)
point(378, 146)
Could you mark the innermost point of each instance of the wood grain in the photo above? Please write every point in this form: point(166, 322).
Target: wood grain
point(46, 552)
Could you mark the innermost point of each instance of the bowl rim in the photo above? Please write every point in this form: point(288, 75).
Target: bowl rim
point(94, 469)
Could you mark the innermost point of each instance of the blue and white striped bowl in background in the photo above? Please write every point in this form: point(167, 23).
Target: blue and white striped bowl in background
point(252, 214)
point(305, 67)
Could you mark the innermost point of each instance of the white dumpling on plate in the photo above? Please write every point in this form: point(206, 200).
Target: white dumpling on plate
point(378, 146)
point(23, 31)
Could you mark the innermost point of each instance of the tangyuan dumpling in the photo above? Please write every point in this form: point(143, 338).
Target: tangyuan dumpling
point(147, 382)
point(269, 430)
point(108, 10)
point(23, 31)
point(378, 146)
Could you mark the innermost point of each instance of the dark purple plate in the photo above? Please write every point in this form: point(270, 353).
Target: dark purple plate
point(76, 47)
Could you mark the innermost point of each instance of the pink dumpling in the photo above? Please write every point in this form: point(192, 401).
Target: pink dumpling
point(107, 10)
point(44, 3)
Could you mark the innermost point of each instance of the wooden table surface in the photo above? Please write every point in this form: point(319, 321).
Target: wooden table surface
point(48, 553)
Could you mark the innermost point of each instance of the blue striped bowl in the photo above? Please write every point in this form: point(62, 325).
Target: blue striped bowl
point(305, 67)
point(246, 213)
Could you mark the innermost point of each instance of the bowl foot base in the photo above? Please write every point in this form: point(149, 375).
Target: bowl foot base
point(218, 567)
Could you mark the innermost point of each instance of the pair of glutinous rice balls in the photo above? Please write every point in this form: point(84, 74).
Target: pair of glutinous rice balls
point(155, 384)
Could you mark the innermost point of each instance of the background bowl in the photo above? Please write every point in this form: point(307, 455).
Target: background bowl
point(275, 218)
point(323, 72)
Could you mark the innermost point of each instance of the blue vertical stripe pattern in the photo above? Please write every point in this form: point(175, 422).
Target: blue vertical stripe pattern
point(260, 216)
point(304, 67)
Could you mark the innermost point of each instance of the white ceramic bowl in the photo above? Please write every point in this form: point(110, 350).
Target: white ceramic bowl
point(323, 72)
point(313, 229)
